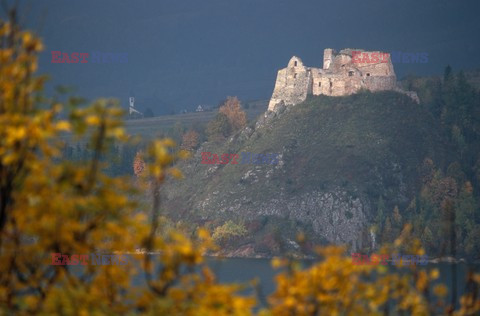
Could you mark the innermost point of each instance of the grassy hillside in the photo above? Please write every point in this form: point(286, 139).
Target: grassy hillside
point(338, 156)
point(164, 125)
point(161, 125)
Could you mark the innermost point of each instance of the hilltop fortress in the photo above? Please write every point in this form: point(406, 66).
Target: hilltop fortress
point(339, 76)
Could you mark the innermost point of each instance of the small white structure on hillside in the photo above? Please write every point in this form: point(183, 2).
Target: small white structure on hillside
point(131, 110)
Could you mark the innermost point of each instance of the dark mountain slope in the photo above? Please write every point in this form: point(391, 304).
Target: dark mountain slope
point(338, 155)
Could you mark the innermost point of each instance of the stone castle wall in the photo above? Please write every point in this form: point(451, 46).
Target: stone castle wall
point(339, 76)
point(293, 83)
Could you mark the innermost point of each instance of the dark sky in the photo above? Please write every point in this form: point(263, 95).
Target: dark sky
point(182, 53)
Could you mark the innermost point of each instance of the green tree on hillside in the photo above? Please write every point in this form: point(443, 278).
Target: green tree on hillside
point(219, 128)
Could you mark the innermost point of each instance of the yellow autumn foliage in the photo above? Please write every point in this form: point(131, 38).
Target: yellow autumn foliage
point(49, 205)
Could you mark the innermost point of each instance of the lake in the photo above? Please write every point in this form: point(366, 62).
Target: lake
point(240, 270)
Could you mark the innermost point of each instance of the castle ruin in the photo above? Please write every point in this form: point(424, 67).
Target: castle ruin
point(339, 76)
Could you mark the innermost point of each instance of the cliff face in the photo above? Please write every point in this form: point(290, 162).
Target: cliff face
point(337, 157)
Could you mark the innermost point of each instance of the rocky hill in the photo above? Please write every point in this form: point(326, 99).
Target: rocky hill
point(338, 155)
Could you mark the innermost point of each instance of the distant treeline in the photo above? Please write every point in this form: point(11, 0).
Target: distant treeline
point(118, 160)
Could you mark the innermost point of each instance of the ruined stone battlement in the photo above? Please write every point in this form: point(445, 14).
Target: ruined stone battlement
point(340, 75)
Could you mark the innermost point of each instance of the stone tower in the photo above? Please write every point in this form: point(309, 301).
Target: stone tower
point(293, 83)
point(328, 54)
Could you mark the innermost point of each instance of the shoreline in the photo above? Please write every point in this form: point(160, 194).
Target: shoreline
point(233, 255)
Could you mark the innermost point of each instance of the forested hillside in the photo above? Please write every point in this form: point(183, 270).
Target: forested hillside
point(349, 166)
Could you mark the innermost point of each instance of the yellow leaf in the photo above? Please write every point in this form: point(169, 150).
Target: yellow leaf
point(440, 290)
point(18, 133)
point(176, 173)
point(203, 233)
point(277, 263)
point(26, 37)
point(168, 142)
point(63, 126)
point(8, 159)
point(434, 274)
point(92, 120)
point(118, 132)
point(184, 154)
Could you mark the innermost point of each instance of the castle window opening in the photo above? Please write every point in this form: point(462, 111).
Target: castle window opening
point(350, 73)
point(294, 75)
point(331, 84)
point(319, 84)
point(368, 74)
point(295, 63)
